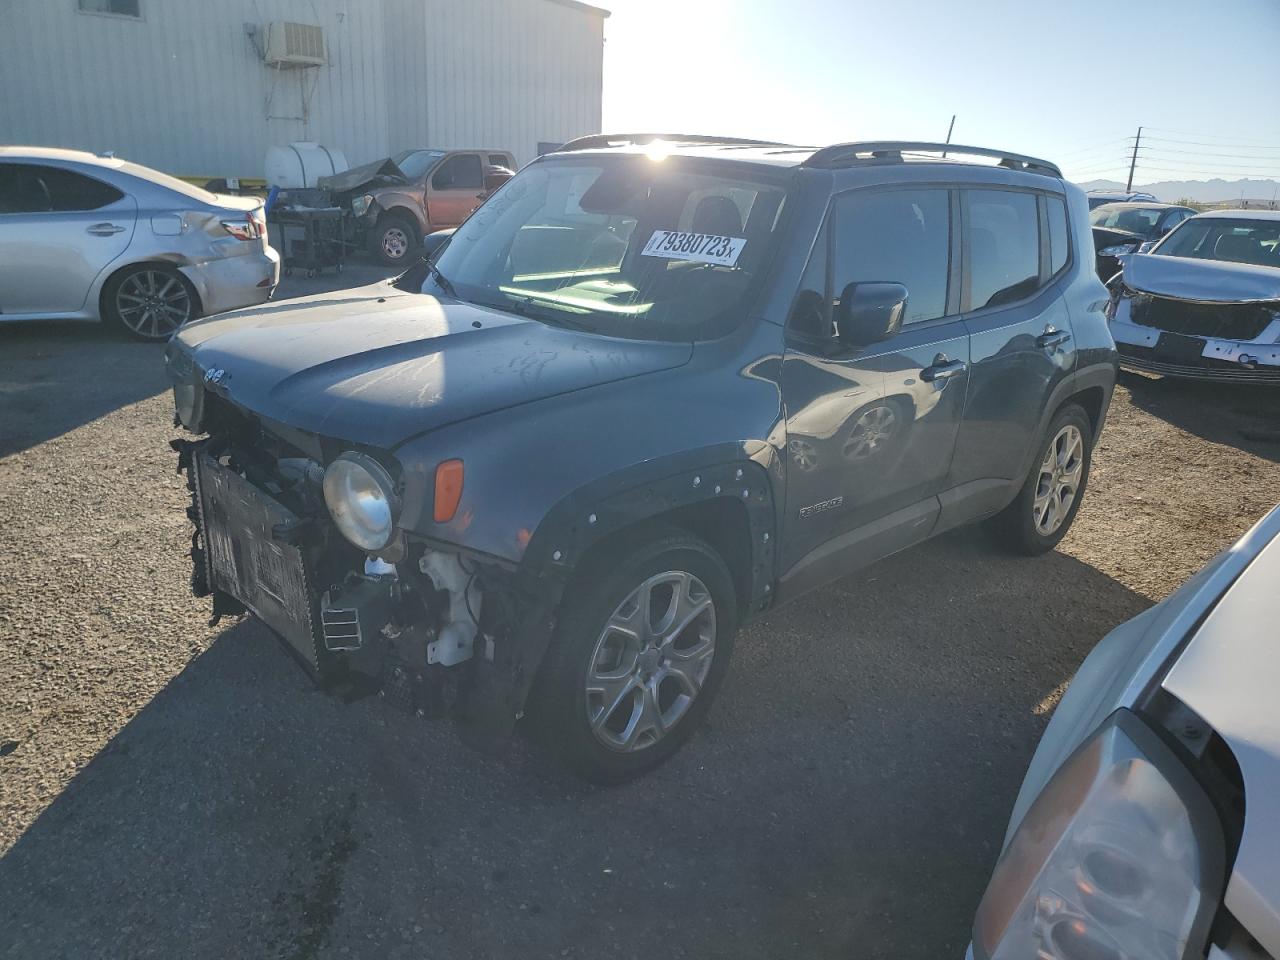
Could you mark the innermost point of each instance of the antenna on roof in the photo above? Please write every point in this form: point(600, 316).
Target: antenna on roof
point(107, 154)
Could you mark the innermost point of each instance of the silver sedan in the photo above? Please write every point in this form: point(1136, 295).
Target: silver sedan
point(97, 238)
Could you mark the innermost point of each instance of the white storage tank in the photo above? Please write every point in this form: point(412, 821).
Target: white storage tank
point(300, 164)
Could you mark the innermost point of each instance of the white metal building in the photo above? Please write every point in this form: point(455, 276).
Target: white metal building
point(201, 88)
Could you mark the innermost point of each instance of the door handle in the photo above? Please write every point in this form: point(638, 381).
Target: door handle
point(104, 229)
point(943, 369)
point(1052, 338)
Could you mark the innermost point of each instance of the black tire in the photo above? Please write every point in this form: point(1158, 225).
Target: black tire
point(394, 233)
point(559, 708)
point(128, 307)
point(1017, 526)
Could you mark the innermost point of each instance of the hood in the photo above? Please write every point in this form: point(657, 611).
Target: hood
point(377, 173)
point(1105, 236)
point(1229, 674)
point(377, 366)
point(1203, 281)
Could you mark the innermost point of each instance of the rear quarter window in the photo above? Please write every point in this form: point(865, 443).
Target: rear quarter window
point(1059, 245)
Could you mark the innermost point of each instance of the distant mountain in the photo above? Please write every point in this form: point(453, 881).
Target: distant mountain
point(1202, 191)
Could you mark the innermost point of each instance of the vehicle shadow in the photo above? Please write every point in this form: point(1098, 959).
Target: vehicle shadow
point(44, 390)
point(1237, 415)
point(847, 799)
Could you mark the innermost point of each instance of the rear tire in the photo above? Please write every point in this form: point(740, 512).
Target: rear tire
point(149, 301)
point(1050, 498)
point(394, 241)
point(627, 679)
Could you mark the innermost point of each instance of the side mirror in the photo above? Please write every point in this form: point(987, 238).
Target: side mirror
point(434, 242)
point(870, 312)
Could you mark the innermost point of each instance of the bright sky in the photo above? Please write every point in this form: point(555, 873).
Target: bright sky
point(1069, 81)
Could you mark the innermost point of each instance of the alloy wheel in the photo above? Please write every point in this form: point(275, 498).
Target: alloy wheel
point(1058, 484)
point(153, 304)
point(650, 661)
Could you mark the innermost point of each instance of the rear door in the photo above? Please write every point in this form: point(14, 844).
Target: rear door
point(59, 229)
point(454, 189)
point(870, 430)
point(1016, 251)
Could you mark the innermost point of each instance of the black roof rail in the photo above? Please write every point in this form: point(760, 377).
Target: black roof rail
point(599, 141)
point(880, 150)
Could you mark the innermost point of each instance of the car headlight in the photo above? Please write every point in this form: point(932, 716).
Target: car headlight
point(1120, 856)
point(1118, 249)
point(188, 391)
point(362, 500)
point(360, 205)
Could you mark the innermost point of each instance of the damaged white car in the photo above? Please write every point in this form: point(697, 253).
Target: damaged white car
point(1205, 301)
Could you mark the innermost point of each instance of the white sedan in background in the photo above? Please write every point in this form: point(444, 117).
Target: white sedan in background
point(96, 238)
point(1148, 825)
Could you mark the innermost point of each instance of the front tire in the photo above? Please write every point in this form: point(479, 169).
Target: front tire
point(394, 240)
point(643, 645)
point(1050, 498)
point(149, 301)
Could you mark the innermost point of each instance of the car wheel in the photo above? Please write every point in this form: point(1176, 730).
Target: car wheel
point(149, 301)
point(1047, 504)
point(642, 646)
point(394, 240)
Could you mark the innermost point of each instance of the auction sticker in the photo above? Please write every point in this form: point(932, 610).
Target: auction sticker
point(698, 247)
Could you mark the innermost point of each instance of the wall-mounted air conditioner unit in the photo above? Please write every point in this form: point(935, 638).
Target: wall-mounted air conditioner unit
point(294, 45)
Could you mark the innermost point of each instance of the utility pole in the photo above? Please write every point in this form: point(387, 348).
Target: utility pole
point(1134, 162)
point(949, 129)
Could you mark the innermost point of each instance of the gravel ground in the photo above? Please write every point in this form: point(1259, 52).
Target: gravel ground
point(173, 789)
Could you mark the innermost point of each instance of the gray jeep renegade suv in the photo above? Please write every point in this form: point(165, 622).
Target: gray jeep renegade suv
point(654, 386)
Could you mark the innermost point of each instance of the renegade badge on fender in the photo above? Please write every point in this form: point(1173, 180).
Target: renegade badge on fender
point(654, 386)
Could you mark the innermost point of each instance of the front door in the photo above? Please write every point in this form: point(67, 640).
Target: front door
point(454, 189)
point(58, 231)
point(871, 430)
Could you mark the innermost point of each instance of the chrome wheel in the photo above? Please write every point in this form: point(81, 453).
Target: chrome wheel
point(153, 304)
point(870, 432)
point(395, 243)
point(1059, 482)
point(650, 661)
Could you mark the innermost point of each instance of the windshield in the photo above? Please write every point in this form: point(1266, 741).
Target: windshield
point(1235, 241)
point(629, 246)
point(1139, 220)
point(415, 163)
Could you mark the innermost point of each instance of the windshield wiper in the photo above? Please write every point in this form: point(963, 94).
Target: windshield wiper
point(442, 281)
point(526, 306)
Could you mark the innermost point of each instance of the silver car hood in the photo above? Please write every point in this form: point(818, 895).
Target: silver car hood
point(1230, 675)
point(1202, 281)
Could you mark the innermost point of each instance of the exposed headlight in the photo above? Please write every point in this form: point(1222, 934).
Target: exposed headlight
point(1118, 250)
point(362, 500)
point(360, 205)
point(1120, 856)
point(188, 392)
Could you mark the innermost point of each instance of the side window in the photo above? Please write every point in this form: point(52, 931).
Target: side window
point(1004, 247)
point(1059, 246)
point(898, 236)
point(500, 160)
point(459, 172)
point(30, 188)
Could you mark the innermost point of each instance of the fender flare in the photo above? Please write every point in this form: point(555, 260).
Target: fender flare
point(601, 508)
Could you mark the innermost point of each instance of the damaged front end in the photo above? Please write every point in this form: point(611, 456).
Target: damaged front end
point(434, 631)
point(1183, 318)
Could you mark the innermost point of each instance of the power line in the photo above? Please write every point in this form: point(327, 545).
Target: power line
point(1207, 136)
point(1201, 143)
